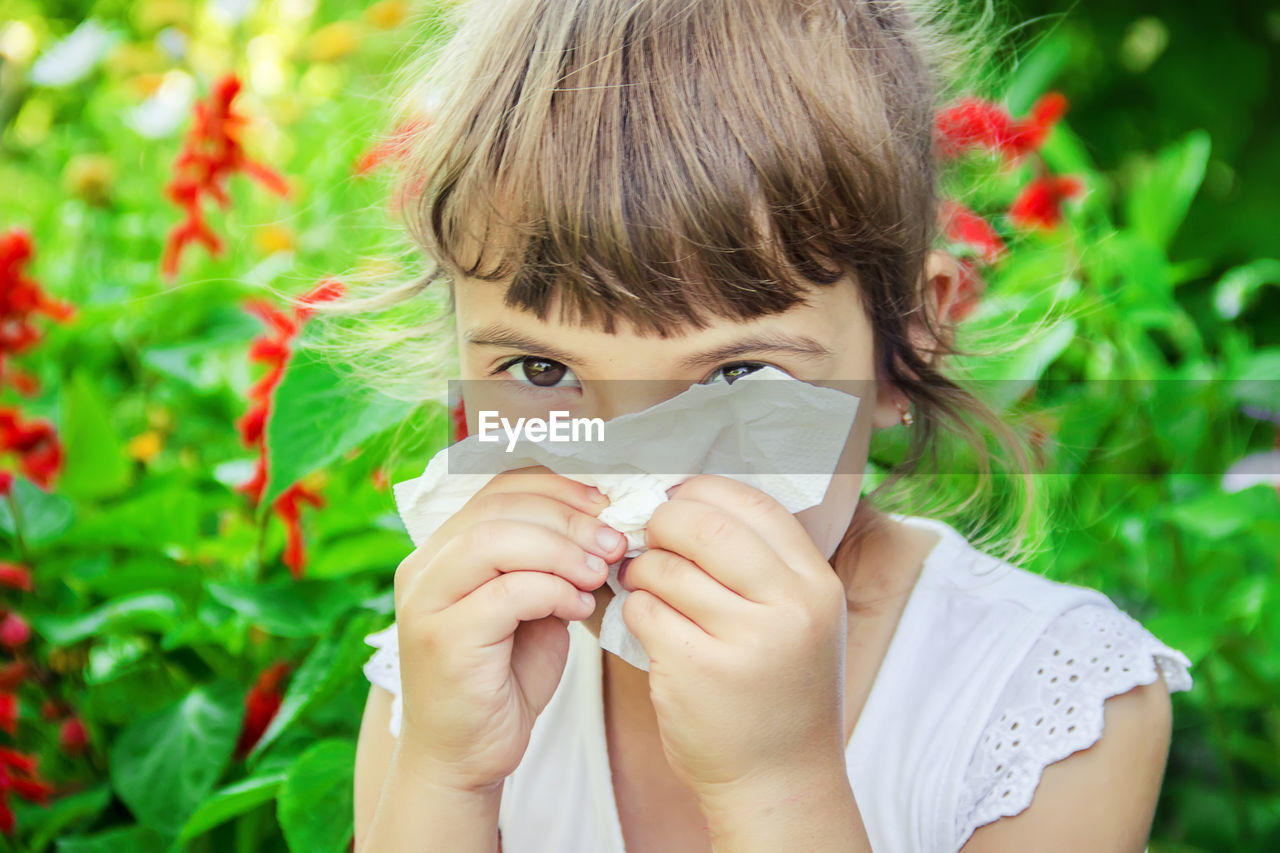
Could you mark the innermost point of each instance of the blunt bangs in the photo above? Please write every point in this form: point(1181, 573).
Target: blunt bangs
point(666, 163)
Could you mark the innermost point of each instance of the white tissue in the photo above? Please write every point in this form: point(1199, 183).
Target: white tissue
point(785, 440)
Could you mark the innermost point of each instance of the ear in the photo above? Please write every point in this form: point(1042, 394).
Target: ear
point(942, 285)
point(941, 290)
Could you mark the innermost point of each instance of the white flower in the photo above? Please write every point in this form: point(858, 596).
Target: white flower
point(71, 59)
point(1253, 470)
point(231, 11)
point(161, 114)
point(172, 42)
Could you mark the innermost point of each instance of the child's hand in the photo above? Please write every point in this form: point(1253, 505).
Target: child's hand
point(480, 609)
point(744, 622)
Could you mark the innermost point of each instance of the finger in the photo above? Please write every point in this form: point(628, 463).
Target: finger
point(686, 587)
point(661, 629)
point(581, 527)
point(490, 548)
point(534, 507)
point(724, 547)
point(541, 479)
point(760, 512)
point(491, 613)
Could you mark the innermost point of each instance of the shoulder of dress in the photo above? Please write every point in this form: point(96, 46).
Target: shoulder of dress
point(1053, 705)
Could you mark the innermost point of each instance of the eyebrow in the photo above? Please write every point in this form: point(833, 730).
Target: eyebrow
point(801, 346)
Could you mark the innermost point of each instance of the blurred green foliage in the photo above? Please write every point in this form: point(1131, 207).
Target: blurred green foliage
point(160, 595)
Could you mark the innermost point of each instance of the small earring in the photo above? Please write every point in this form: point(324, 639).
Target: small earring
point(907, 418)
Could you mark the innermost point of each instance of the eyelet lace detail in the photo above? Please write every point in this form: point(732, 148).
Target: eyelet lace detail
point(383, 668)
point(1052, 706)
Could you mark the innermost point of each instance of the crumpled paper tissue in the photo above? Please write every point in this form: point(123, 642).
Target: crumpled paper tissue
point(784, 439)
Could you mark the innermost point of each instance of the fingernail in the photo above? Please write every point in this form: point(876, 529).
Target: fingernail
point(597, 565)
point(608, 538)
point(622, 569)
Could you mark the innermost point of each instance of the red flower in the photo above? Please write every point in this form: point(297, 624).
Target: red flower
point(14, 631)
point(1039, 203)
point(260, 706)
point(13, 674)
point(251, 424)
point(21, 298)
point(15, 576)
point(962, 225)
point(6, 483)
point(18, 773)
point(976, 123)
point(274, 350)
point(282, 324)
point(35, 442)
point(327, 290)
point(72, 736)
point(211, 153)
point(9, 713)
point(458, 420)
point(253, 487)
point(286, 506)
point(394, 147)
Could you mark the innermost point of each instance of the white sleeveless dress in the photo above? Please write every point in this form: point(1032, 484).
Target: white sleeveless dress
point(993, 673)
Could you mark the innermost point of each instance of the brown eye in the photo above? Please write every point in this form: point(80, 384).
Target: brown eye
point(541, 372)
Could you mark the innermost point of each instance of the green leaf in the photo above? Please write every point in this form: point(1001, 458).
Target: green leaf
point(1254, 379)
point(146, 685)
point(111, 657)
point(1065, 153)
point(196, 364)
point(147, 611)
point(1165, 185)
point(316, 802)
point(370, 551)
point(129, 839)
point(96, 464)
point(60, 814)
point(44, 515)
point(1007, 376)
point(166, 514)
point(1036, 72)
point(1238, 285)
point(316, 416)
point(291, 608)
point(216, 352)
point(1217, 515)
point(1245, 599)
point(1141, 282)
point(335, 659)
point(164, 764)
point(99, 576)
point(1181, 631)
point(233, 800)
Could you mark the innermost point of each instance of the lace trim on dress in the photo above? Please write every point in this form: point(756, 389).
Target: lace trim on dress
point(383, 668)
point(1052, 706)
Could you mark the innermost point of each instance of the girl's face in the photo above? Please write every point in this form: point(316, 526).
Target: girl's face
point(545, 365)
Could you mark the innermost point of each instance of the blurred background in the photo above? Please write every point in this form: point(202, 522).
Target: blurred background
point(196, 525)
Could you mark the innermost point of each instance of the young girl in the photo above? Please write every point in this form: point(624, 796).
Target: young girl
point(682, 192)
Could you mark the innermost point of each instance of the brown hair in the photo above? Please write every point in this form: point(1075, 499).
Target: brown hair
point(601, 154)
